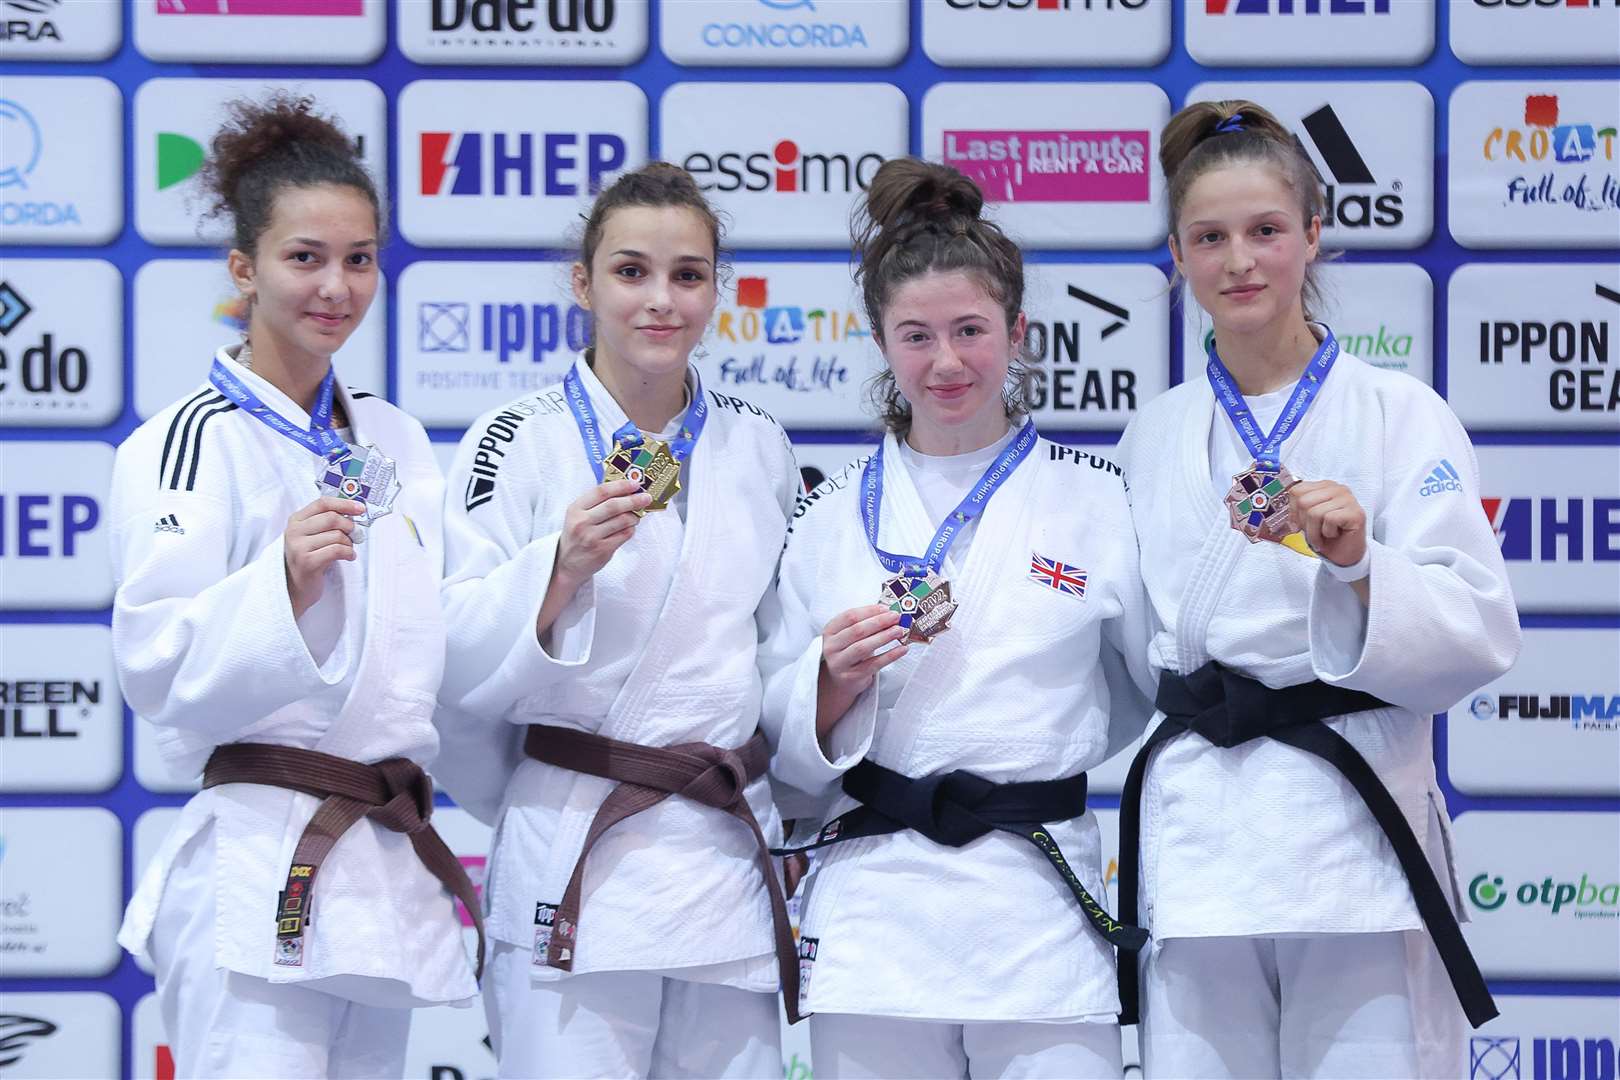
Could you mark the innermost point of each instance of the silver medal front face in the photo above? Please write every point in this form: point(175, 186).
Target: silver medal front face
point(366, 475)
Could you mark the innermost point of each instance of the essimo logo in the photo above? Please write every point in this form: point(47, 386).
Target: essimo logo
point(786, 168)
point(1359, 208)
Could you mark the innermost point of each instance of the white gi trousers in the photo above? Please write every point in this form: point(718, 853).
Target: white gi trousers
point(848, 1045)
point(1313, 1006)
point(225, 1024)
point(619, 1025)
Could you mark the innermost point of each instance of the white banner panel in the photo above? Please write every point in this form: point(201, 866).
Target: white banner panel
point(1045, 33)
point(53, 525)
point(58, 30)
point(1534, 346)
point(60, 714)
point(61, 342)
point(177, 119)
point(521, 31)
point(59, 916)
point(475, 335)
point(1556, 511)
point(1101, 334)
point(790, 160)
point(1533, 164)
point(792, 339)
point(1535, 31)
point(1064, 165)
point(1550, 726)
point(1308, 32)
point(784, 33)
point(185, 309)
point(1547, 1038)
point(1382, 313)
point(60, 1036)
point(511, 163)
point(1543, 891)
point(1372, 143)
point(61, 160)
point(256, 31)
point(149, 1054)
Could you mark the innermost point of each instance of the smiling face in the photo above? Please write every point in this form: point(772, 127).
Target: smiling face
point(1243, 247)
point(314, 274)
point(948, 343)
point(650, 288)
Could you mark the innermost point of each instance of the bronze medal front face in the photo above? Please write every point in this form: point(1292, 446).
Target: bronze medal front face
point(924, 603)
point(1259, 504)
point(650, 465)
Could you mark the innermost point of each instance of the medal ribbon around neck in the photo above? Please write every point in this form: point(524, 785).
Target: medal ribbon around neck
point(966, 511)
point(318, 439)
point(1267, 450)
point(590, 432)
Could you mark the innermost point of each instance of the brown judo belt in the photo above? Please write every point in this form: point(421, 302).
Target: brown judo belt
point(395, 793)
point(647, 776)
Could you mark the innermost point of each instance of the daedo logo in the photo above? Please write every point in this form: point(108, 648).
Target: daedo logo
point(1530, 528)
point(1053, 166)
point(522, 16)
point(42, 367)
point(1348, 168)
point(1544, 137)
point(1296, 7)
point(755, 321)
point(261, 7)
point(507, 163)
point(1501, 1057)
point(785, 169)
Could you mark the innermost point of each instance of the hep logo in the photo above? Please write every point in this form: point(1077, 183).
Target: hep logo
point(1487, 893)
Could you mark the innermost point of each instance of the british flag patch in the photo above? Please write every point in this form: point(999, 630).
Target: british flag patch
point(1057, 575)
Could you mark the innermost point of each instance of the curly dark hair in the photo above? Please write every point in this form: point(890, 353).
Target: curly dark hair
point(917, 218)
point(276, 143)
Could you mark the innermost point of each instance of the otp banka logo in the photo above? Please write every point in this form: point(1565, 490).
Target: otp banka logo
point(1586, 898)
point(1530, 529)
point(1501, 1057)
point(560, 163)
point(1545, 137)
point(1296, 7)
point(502, 331)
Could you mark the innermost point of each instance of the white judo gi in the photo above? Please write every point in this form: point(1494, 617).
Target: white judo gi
point(208, 650)
point(1263, 841)
point(657, 649)
point(962, 947)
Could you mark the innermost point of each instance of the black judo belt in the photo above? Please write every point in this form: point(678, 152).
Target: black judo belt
point(958, 807)
point(1229, 709)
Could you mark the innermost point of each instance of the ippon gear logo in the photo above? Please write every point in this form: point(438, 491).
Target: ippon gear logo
point(786, 169)
point(1587, 899)
point(1296, 7)
point(552, 163)
point(504, 331)
point(1501, 1057)
point(1347, 168)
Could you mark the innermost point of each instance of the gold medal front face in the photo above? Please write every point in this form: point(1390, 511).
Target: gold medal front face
point(650, 465)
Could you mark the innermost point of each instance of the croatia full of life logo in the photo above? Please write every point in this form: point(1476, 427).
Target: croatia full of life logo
point(1548, 138)
point(1053, 166)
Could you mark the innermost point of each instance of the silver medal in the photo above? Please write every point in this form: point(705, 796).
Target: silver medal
point(364, 474)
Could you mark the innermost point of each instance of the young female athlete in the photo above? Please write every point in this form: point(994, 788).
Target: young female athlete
point(1315, 598)
point(952, 645)
point(609, 540)
point(277, 544)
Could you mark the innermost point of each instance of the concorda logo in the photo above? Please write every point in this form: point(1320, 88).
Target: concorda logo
point(1503, 1057)
point(22, 143)
point(1567, 159)
point(784, 32)
point(764, 341)
point(1053, 166)
point(522, 31)
point(59, 342)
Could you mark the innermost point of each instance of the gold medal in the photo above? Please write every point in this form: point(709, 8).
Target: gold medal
point(924, 603)
point(649, 464)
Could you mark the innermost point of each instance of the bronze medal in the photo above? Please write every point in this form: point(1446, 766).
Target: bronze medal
point(1261, 509)
point(924, 603)
point(651, 465)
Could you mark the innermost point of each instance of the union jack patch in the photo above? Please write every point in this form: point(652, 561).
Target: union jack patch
point(1057, 575)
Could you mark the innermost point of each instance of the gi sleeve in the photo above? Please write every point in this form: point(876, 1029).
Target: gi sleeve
point(1127, 672)
point(497, 571)
point(199, 646)
point(1441, 622)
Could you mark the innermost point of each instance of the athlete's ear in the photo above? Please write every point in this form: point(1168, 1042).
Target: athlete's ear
point(1019, 325)
point(581, 280)
point(1313, 238)
point(240, 268)
point(1175, 254)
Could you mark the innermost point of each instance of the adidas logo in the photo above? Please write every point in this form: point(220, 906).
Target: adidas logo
point(1443, 478)
point(169, 524)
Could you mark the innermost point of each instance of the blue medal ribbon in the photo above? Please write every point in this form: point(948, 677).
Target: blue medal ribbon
point(957, 520)
point(318, 439)
point(1266, 450)
point(590, 432)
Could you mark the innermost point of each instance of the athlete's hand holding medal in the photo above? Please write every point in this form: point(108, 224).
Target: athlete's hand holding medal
point(853, 650)
point(596, 525)
point(1334, 524)
point(317, 536)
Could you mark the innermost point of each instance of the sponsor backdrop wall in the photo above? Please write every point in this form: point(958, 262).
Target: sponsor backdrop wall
point(1469, 153)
